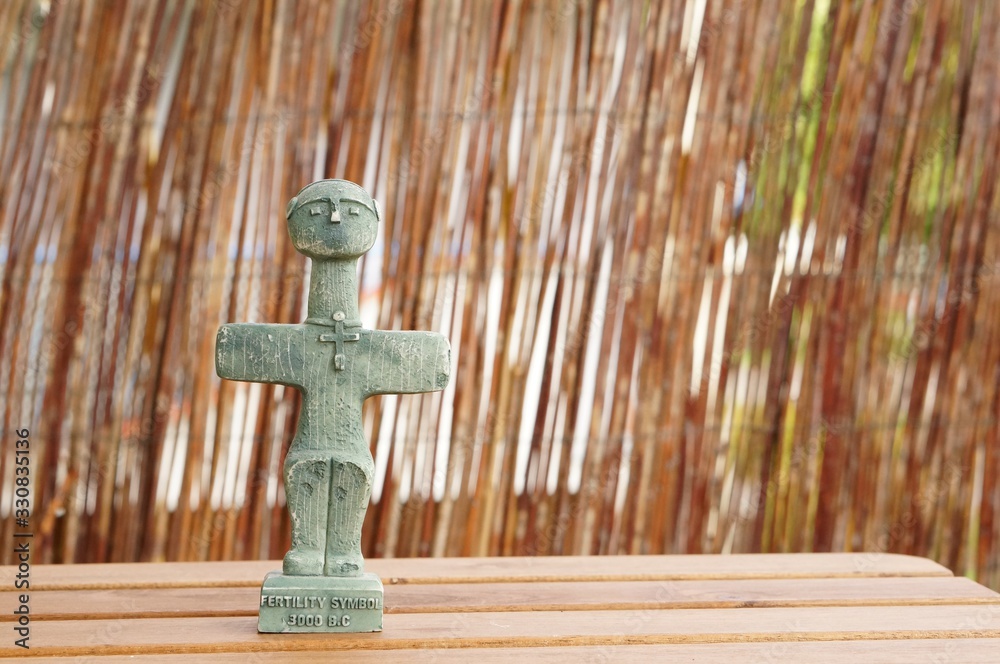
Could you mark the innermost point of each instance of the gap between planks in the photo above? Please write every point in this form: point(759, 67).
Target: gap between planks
point(495, 570)
point(129, 603)
point(885, 651)
point(521, 629)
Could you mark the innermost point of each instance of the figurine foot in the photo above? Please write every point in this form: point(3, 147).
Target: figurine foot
point(303, 563)
point(344, 566)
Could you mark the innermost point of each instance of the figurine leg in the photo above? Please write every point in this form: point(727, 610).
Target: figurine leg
point(350, 489)
point(307, 488)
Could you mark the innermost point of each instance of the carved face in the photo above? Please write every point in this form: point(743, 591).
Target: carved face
point(332, 219)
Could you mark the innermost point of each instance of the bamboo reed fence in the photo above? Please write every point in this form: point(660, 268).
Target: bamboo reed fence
point(718, 276)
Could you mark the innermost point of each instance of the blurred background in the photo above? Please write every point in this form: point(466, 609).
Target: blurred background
point(718, 276)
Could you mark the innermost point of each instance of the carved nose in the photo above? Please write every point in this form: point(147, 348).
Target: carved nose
point(335, 215)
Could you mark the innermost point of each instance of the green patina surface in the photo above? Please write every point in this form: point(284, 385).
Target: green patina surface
point(320, 603)
point(337, 364)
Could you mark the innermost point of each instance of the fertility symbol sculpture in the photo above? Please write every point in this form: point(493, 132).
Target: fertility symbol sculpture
point(337, 364)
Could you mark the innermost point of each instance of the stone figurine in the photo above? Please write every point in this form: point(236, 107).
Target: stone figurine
point(337, 364)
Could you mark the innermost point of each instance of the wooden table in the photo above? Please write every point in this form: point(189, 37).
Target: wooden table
point(756, 608)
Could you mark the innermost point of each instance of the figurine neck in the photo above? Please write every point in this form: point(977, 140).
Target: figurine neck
point(333, 288)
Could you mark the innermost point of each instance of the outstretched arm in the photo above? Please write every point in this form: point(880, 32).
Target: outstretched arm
point(260, 353)
point(408, 363)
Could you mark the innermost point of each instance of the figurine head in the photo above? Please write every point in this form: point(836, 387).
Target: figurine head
point(332, 219)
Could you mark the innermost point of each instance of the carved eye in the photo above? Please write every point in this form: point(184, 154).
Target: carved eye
point(315, 210)
point(354, 211)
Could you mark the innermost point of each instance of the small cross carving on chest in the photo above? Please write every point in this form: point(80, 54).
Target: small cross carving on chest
point(338, 337)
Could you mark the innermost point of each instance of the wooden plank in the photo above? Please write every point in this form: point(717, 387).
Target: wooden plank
point(494, 570)
point(968, 651)
point(520, 629)
point(540, 596)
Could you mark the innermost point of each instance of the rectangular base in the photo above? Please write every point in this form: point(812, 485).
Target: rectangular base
point(320, 603)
